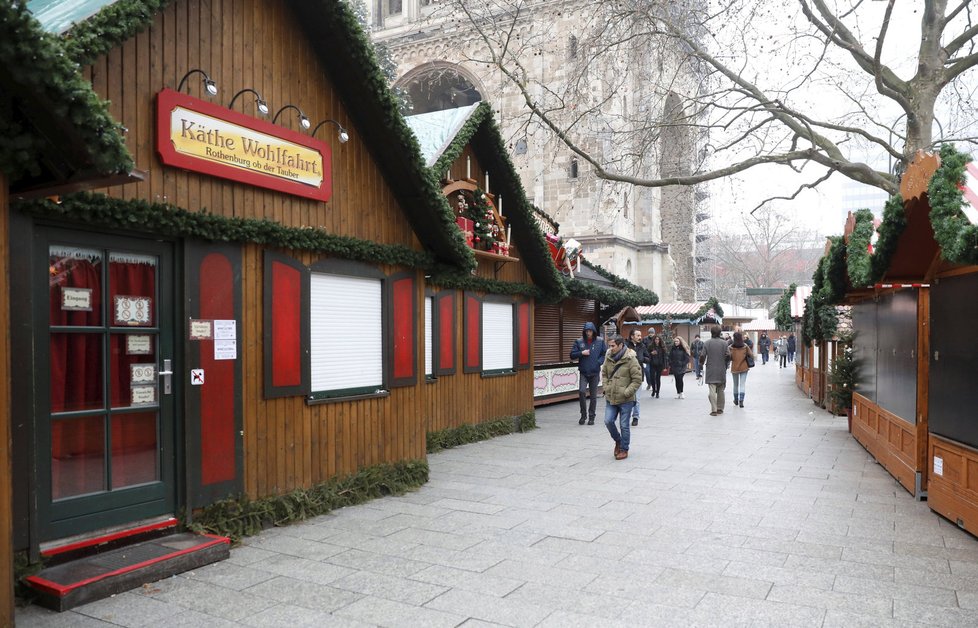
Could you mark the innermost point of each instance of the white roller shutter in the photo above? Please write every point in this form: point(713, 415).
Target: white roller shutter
point(429, 303)
point(346, 322)
point(497, 336)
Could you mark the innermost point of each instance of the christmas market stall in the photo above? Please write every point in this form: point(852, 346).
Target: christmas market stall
point(685, 320)
point(491, 314)
point(213, 344)
point(464, 149)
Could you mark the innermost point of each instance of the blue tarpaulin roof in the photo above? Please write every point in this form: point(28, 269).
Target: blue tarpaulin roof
point(436, 130)
point(57, 16)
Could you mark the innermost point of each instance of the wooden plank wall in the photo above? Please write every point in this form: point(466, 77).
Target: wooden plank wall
point(249, 43)
point(6, 471)
point(890, 439)
point(953, 493)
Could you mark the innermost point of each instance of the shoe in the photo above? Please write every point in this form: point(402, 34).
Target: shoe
point(634, 422)
point(741, 404)
point(656, 395)
point(621, 455)
point(581, 422)
point(617, 448)
point(590, 421)
point(648, 387)
point(719, 411)
point(682, 396)
point(713, 414)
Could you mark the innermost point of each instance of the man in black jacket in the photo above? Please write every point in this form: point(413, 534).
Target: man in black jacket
point(635, 343)
point(588, 351)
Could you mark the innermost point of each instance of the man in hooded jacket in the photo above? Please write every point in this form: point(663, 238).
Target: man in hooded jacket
point(622, 376)
point(589, 351)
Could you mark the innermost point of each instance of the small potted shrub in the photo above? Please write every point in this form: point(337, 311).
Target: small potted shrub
point(845, 370)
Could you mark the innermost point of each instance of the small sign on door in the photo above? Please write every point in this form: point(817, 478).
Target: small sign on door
point(196, 377)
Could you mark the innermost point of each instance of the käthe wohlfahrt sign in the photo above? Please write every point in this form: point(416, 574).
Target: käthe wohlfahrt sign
point(204, 137)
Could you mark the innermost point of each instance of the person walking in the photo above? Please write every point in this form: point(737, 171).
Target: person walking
point(764, 345)
point(589, 351)
point(697, 350)
point(783, 352)
point(739, 352)
point(791, 348)
point(622, 376)
point(716, 359)
point(658, 356)
point(679, 363)
point(635, 343)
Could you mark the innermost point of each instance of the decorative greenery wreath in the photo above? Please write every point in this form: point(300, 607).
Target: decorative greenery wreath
point(858, 258)
point(782, 316)
point(956, 235)
point(888, 234)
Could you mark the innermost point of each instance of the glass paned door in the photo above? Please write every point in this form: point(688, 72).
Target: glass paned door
point(105, 425)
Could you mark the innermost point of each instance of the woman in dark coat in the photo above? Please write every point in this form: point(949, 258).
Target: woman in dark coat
point(679, 363)
point(658, 355)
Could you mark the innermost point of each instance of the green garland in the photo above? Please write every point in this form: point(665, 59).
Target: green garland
point(782, 316)
point(624, 294)
point(888, 235)
point(237, 518)
point(834, 280)
point(35, 63)
point(465, 434)
point(550, 219)
point(955, 234)
point(111, 26)
point(858, 259)
point(168, 220)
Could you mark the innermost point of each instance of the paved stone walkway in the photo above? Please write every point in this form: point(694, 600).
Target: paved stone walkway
point(771, 515)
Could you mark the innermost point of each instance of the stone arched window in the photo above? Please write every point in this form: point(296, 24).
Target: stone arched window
point(437, 86)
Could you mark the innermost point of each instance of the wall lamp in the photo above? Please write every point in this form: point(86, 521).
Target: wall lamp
point(341, 132)
point(303, 120)
point(259, 101)
point(209, 84)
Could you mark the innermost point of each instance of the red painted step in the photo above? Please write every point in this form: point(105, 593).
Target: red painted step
point(91, 578)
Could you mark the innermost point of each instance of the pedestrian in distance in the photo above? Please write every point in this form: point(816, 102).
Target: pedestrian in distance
point(647, 341)
point(622, 376)
point(739, 354)
point(679, 363)
point(658, 356)
point(589, 351)
point(783, 353)
point(716, 359)
point(635, 343)
point(791, 348)
point(697, 350)
point(764, 345)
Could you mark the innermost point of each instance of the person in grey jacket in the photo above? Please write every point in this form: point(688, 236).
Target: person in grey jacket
point(588, 351)
point(622, 376)
point(716, 360)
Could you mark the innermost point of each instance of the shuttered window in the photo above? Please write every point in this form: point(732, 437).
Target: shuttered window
point(343, 361)
point(576, 312)
point(546, 335)
point(428, 329)
point(497, 337)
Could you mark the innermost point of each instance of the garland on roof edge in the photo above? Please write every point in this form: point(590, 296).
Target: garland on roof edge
point(891, 228)
point(110, 27)
point(35, 60)
point(712, 303)
point(625, 294)
point(782, 316)
point(172, 221)
point(858, 258)
point(956, 235)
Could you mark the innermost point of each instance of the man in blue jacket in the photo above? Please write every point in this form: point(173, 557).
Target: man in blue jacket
point(589, 352)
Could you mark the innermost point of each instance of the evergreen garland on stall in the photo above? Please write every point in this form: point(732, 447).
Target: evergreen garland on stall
point(171, 221)
point(858, 257)
point(891, 228)
point(111, 26)
point(782, 316)
point(469, 433)
point(834, 277)
point(624, 293)
point(956, 235)
point(36, 62)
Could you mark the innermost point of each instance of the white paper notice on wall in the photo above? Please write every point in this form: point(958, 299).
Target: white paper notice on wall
point(225, 349)
point(225, 329)
point(938, 465)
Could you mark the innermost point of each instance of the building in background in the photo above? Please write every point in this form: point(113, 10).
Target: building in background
point(648, 236)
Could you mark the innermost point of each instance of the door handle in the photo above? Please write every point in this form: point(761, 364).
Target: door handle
point(167, 375)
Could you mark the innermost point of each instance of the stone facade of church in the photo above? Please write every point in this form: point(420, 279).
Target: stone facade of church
point(647, 235)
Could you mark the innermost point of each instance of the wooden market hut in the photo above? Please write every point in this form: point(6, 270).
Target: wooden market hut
point(464, 149)
point(803, 353)
point(912, 408)
point(684, 319)
point(182, 337)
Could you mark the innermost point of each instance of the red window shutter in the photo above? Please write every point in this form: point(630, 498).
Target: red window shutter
point(404, 325)
point(472, 342)
point(445, 315)
point(523, 335)
point(286, 300)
